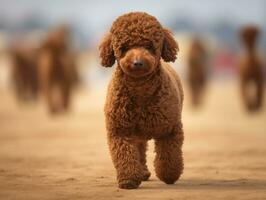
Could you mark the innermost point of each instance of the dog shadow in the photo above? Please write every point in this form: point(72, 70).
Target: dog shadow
point(208, 184)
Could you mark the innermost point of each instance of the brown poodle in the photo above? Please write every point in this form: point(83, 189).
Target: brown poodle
point(144, 99)
point(24, 72)
point(251, 70)
point(57, 70)
point(197, 71)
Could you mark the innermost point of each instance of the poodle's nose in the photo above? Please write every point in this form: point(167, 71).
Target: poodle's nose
point(137, 63)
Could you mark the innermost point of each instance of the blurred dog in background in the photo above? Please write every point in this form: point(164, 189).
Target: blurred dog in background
point(251, 70)
point(57, 70)
point(24, 71)
point(197, 71)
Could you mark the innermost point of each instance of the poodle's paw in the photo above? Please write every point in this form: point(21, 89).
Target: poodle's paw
point(145, 175)
point(169, 181)
point(129, 184)
point(170, 178)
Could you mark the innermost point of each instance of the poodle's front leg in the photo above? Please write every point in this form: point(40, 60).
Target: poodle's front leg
point(169, 160)
point(125, 156)
point(142, 146)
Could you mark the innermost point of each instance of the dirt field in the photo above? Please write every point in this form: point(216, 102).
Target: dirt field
point(66, 157)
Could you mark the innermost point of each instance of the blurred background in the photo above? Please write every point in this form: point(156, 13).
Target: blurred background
point(218, 23)
point(217, 119)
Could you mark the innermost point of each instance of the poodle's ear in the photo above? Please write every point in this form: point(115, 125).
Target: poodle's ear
point(170, 47)
point(107, 52)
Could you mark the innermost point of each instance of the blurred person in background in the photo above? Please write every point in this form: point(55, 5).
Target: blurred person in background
point(251, 70)
point(197, 71)
point(57, 70)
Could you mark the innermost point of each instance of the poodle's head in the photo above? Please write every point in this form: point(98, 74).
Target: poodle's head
point(137, 41)
point(249, 35)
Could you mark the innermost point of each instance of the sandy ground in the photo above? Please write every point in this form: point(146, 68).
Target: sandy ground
point(66, 157)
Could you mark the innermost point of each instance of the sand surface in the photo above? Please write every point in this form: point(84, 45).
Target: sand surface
point(66, 157)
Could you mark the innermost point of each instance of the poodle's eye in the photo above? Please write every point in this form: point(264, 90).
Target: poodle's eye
point(123, 50)
point(150, 49)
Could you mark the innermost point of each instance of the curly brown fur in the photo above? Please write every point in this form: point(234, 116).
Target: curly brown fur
point(144, 99)
point(197, 71)
point(251, 70)
point(57, 70)
point(24, 73)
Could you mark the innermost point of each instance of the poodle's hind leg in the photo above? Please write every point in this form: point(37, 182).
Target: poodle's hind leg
point(126, 159)
point(245, 94)
point(169, 160)
point(259, 92)
point(142, 147)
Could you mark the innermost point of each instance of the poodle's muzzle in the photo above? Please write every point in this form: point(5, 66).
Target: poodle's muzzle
point(138, 62)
